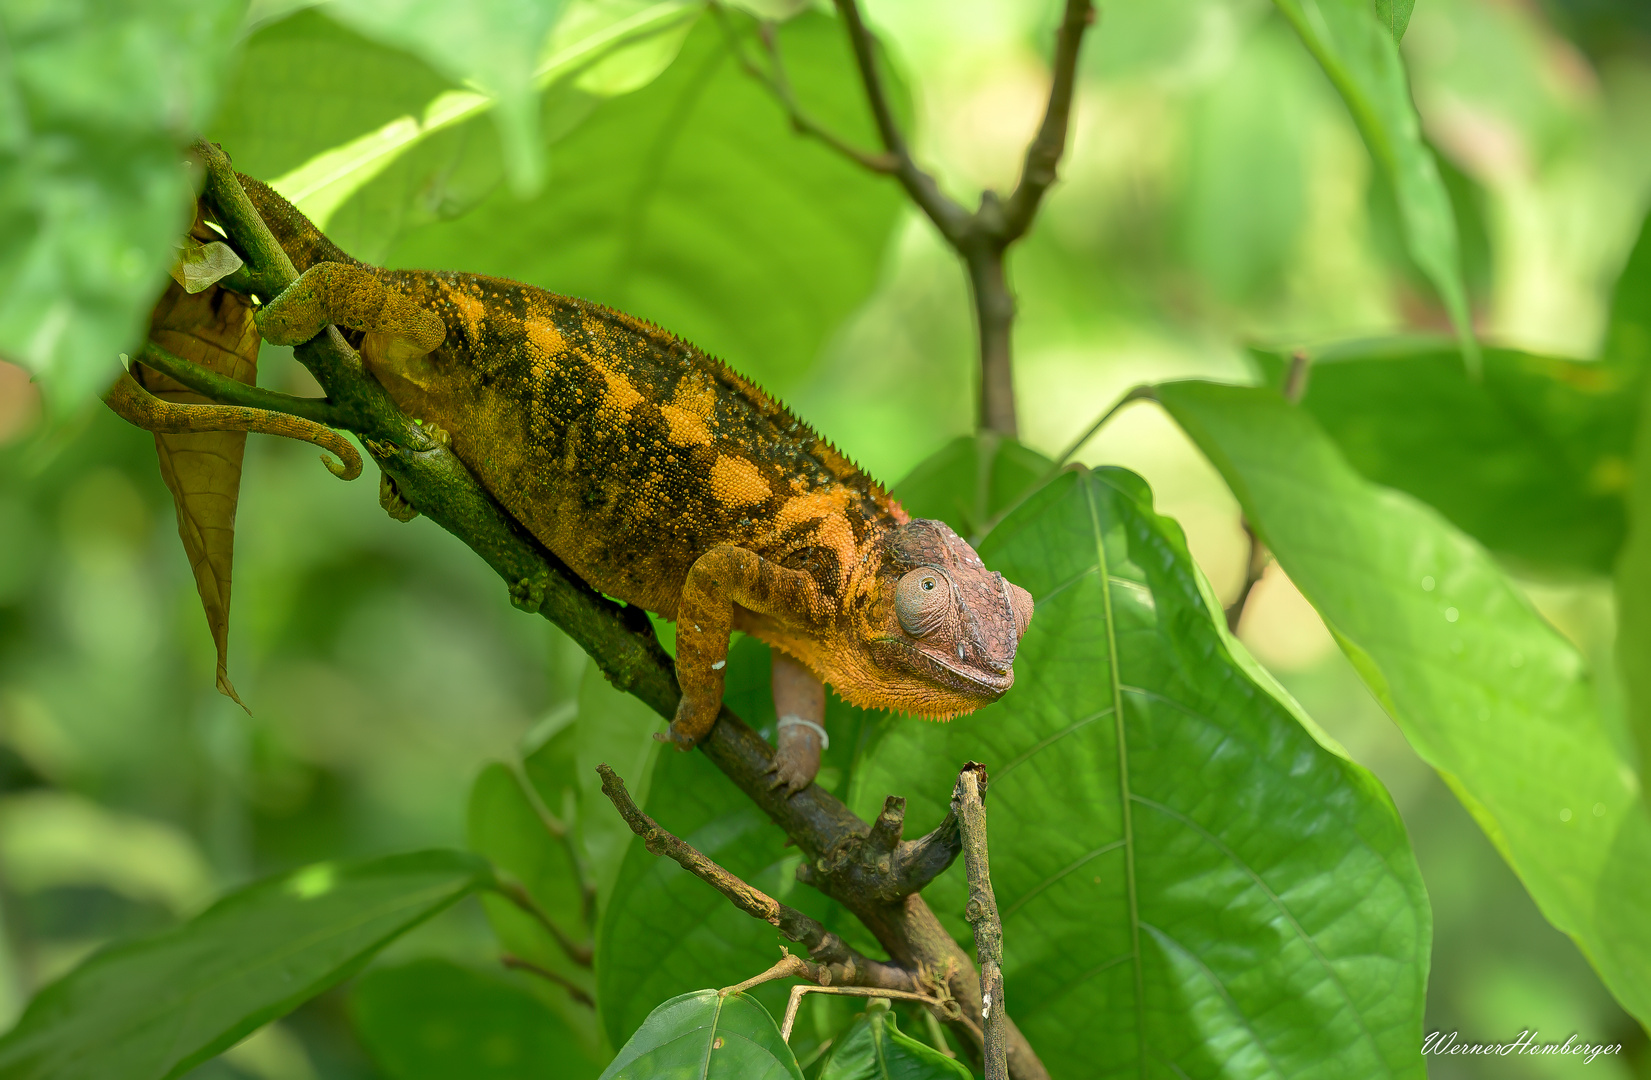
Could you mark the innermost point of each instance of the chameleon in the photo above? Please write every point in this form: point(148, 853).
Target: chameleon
point(666, 480)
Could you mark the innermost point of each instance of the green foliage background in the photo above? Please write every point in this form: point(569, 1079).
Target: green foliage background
point(1218, 193)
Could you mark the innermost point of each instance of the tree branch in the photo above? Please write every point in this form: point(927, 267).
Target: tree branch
point(619, 639)
point(969, 804)
point(949, 217)
point(1043, 154)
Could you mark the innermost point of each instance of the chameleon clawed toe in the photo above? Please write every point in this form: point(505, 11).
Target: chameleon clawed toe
point(389, 497)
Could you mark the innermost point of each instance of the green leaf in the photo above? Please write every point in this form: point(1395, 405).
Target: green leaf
point(1633, 594)
point(158, 1007)
point(493, 44)
point(306, 84)
point(1359, 51)
point(1193, 879)
point(523, 826)
point(876, 1049)
point(1628, 336)
point(435, 1020)
point(1531, 459)
point(705, 1036)
point(1394, 15)
point(429, 160)
point(97, 102)
point(1486, 691)
point(693, 204)
point(971, 480)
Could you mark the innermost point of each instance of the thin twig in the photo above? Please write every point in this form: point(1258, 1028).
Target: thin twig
point(779, 85)
point(580, 952)
point(1256, 562)
point(1043, 154)
point(1295, 379)
point(845, 964)
point(953, 221)
point(1136, 393)
point(969, 803)
point(559, 832)
point(799, 990)
point(787, 967)
point(1255, 565)
point(575, 991)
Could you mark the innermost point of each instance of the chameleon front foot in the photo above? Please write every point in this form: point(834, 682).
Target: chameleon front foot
point(693, 722)
point(389, 497)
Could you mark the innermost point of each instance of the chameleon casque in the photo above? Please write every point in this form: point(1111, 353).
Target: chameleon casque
point(666, 480)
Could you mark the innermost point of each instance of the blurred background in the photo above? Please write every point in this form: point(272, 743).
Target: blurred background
point(1215, 193)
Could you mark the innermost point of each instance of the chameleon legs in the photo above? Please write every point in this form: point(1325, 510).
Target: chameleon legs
point(719, 579)
point(799, 702)
point(353, 297)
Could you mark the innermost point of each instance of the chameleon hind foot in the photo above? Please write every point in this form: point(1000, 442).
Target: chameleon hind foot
point(799, 702)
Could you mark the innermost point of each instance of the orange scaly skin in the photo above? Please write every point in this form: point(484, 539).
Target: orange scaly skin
point(665, 479)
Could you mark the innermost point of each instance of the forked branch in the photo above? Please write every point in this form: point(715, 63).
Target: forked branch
point(982, 238)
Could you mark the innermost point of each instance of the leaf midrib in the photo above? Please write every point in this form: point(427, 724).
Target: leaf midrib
point(1123, 773)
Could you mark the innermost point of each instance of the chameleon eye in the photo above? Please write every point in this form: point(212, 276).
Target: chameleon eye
point(922, 600)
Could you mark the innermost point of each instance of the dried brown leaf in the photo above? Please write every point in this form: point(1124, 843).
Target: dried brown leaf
point(212, 328)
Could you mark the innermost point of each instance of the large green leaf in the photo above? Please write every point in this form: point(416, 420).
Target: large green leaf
point(1486, 691)
point(692, 203)
point(1628, 347)
point(876, 1049)
point(97, 102)
point(491, 44)
point(306, 84)
point(705, 1036)
point(1531, 459)
point(1358, 49)
point(1193, 880)
point(1633, 594)
point(1628, 337)
point(435, 1020)
point(971, 480)
point(158, 1007)
point(430, 159)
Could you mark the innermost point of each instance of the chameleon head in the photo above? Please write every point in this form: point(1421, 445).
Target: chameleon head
point(940, 629)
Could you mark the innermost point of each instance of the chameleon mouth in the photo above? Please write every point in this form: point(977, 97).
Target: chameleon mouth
point(988, 684)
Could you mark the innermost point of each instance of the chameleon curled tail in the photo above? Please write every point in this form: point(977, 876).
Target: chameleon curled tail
point(140, 408)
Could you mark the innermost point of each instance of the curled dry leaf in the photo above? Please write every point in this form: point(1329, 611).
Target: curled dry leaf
point(199, 266)
point(212, 328)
